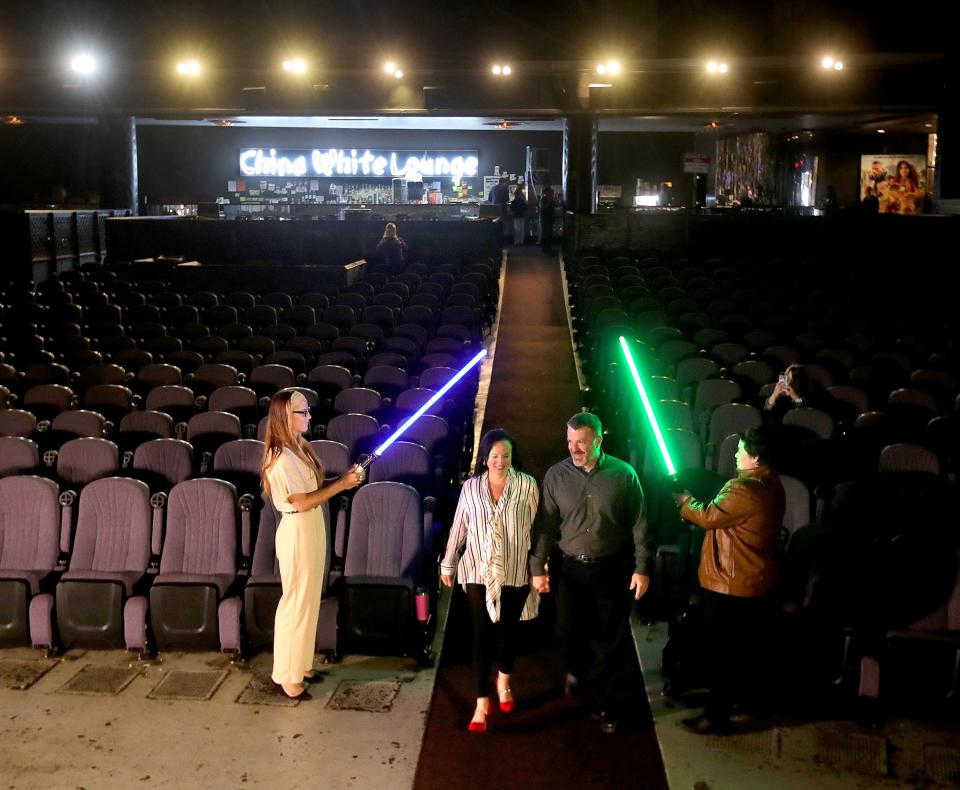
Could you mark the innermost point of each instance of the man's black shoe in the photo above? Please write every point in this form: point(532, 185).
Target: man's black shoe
point(608, 722)
point(701, 725)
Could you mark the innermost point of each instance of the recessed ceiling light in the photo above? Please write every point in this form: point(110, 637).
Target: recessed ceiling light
point(881, 131)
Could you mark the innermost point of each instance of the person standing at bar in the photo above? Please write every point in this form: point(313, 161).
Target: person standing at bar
point(548, 208)
point(738, 570)
point(591, 510)
point(500, 195)
point(518, 210)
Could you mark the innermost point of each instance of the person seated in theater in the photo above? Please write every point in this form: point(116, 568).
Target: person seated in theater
point(392, 250)
point(795, 389)
point(738, 572)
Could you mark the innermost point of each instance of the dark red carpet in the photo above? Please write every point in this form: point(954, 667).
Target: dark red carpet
point(549, 741)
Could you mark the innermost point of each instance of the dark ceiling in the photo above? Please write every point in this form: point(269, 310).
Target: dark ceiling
point(893, 62)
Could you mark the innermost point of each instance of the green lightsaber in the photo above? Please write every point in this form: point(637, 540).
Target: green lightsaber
point(648, 408)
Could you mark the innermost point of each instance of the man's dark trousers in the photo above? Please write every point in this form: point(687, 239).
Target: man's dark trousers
point(593, 625)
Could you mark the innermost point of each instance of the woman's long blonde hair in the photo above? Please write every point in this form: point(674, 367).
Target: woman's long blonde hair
point(279, 437)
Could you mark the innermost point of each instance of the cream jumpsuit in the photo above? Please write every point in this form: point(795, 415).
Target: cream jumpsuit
point(301, 545)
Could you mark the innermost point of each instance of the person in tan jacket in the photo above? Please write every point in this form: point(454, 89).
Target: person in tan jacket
point(738, 571)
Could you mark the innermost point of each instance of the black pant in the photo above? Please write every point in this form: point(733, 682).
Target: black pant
point(512, 600)
point(593, 625)
point(738, 655)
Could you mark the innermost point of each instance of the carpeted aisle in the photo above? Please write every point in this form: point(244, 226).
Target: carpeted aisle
point(549, 741)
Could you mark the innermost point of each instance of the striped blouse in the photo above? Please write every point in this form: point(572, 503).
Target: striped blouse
point(494, 538)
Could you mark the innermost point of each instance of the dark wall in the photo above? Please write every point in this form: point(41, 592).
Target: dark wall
point(190, 164)
point(653, 156)
point(36, 159)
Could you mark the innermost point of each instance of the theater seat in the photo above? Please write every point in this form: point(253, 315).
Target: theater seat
point(30, 539)
point(382, 566)
point(193, 601)
point(101, 598)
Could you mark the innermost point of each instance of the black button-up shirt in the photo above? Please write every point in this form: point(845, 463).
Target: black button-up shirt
point(594, 514)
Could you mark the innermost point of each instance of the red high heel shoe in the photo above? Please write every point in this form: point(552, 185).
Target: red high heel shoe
point(506, 705)
point(477, 726)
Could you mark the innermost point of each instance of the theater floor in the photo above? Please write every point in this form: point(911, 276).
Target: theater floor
point(97, 719)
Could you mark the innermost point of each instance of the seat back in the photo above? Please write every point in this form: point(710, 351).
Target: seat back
point(170, 460)
point(114, 526)
point(797, 512)
point(147, 421)
point(29, 523)
point(201, 529)
point(17, 422)
point(240, 455)
point(405, 462)
point(17, 454)
point(334, 456)
point(357, 400)
point(386, 532)
point(216, 422)
point(80, 422)
point(82, 460)
point(357, 431)
point(732, 418)
point(816, 420)
point(903, 457)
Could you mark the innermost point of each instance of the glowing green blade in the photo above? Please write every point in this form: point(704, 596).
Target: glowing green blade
point(647, 407)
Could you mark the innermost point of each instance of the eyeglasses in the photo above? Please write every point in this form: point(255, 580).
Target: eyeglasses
point(301, 412)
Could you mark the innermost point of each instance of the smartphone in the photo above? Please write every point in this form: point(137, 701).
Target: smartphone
point(783, 380)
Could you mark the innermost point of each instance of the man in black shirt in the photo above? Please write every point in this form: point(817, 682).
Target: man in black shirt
point(591, 510)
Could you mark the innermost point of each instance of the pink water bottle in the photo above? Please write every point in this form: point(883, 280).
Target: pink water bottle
point(422, 599)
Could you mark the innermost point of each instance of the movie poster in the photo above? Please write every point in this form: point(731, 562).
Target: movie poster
point(898, 182)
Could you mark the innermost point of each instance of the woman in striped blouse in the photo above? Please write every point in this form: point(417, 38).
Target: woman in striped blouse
point(491, 536)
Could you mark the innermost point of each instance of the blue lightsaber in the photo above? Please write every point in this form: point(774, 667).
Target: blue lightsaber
point(423, 409)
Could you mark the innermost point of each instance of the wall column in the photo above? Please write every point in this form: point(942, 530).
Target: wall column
point(580, 139)
point(119, 188)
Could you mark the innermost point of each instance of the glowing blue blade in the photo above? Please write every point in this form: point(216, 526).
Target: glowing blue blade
point(433, 399)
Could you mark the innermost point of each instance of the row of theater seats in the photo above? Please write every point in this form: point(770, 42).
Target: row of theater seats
point(197, 569)
point(197, 395)
point(82, 334)
point(869, 472)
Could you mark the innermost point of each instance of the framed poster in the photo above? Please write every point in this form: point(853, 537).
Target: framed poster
point(898, 181)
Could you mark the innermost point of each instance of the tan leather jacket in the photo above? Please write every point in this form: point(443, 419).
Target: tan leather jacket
point(742, 522)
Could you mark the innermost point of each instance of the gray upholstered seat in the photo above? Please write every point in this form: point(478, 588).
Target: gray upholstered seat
point(192, 604)
point(99, 600)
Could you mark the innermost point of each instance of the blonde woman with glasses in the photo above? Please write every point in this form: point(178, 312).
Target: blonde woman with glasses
point(293, 477)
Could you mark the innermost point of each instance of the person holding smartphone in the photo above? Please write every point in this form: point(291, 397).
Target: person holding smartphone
point(794, 389)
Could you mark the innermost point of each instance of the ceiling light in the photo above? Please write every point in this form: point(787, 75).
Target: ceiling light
point(928, 126)
point(826, 62)
point(507, 71)
point(83, 63)
point(838, 65)
point(295, 65)
point(13, 120)
point(496, 69)
point(712, 67)
point(189, 68)
point(601, 69)
point(398, 74)
point(613, 66)
point(881, 131)
point(390, 67)
point(723, 68)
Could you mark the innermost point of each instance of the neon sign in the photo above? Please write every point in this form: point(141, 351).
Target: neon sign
point(351, 162)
